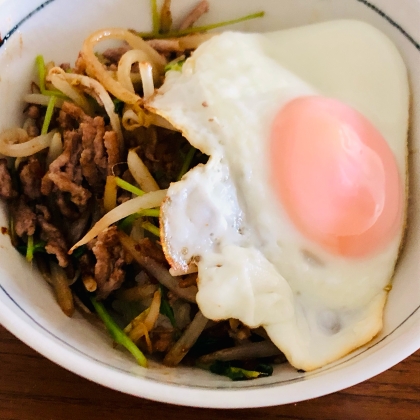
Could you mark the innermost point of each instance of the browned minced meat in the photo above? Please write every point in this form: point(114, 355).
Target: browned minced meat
point(80, 65)
point(161, 338)
point(110, 261)
point(112, 149)
point(113, 55)
point(66, 207)
point(32, 130)
point(30, 178)
point(71, 115)
point(79, 194)
point(6, 185)
point(33, 112)
point(78, 227)
point(65, 66)
point(159, 157)
point(65, 173)
point(56, 243)
point(151, 249)
point(195, 14)
point(93, 159)
point(24, 218)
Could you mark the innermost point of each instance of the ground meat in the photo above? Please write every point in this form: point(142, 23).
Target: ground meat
point(43, 210)
point(33, 131)
point(66, 207)
point(162, 338)
point(56, 243)
point(30, 177)
point(93, 158)
point(113, 55)
point(80, 65)
point(65, 174)
point(33, 112)
point(110, 261)
point(151, 249)
point(6, 184)
point(79, 194)
point(71, 115)
point(65, 66)
point(78, 228)
point(24, 218)
point(113, 150)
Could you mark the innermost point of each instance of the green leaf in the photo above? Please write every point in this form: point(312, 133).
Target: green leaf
point(165, 308)
point(187, 163)
point(118, 106)
point(117, 334)
point(175, 65)
point(78, 252)
point(31, 248)
point(239, 374)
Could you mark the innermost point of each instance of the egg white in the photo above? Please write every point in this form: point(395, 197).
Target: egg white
point(223, 216)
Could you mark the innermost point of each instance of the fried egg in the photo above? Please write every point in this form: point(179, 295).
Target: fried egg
point(296, 220)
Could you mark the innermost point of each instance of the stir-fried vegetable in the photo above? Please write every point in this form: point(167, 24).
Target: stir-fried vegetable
point(240, 374)
point(205, 28)
point(89, 143)
point(117, 334)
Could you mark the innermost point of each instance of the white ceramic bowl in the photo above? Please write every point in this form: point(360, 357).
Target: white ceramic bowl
point(56, 28)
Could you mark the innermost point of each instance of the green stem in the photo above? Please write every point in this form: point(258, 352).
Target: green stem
point(200, 28)
point(129, 220)
point(48, 115)
point(30, 249)
point(41, 72)
point(151, 228)
point(187, 162)
point(117, 334)
point(128, 187)
point(155, 16)
point(40, 64)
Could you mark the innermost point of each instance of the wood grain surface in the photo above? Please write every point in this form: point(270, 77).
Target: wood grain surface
point(33, 388)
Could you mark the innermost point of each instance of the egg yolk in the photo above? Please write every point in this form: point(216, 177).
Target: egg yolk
point(335, 176)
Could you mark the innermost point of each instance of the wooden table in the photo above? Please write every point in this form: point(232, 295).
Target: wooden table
point(33, 388)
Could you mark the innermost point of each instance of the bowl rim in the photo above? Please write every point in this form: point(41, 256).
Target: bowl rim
point(32, 333)
point(19, 322)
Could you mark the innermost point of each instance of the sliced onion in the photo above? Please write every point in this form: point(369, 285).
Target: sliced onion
point(187, 340)
point(153, 314)
point(140, 172)
point(56, 148)
point(110, 193)
point(147, 79)
point(124, 75)
point(58, 80)
point(95, 69)
point(40, 99)
point(62, 290)
point(191, 42)
point(14, 143)
point(243, 352)
point(94, 88)
point(160, 273)
point(146, 201)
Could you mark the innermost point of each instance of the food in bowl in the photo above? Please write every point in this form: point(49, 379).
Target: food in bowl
point(233, 81)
